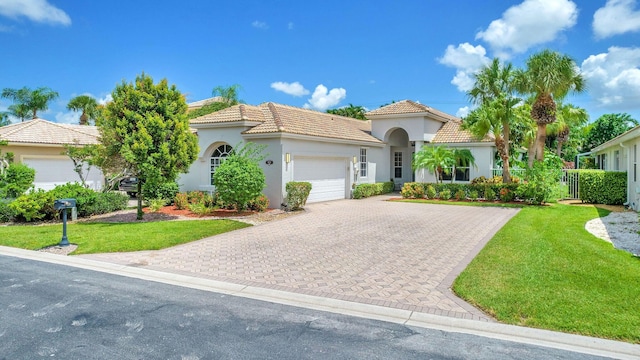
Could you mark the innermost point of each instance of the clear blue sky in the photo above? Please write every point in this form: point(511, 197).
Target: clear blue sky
point(322, 54)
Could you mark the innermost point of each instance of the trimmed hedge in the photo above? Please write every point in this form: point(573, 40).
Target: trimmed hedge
point(413, 190)
point(367, 190)
point(603, 187)
point(297, 194)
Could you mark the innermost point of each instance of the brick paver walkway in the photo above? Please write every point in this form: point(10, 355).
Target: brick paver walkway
point(400, 255)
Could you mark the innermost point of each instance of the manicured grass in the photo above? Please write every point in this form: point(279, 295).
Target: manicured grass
point(116, 237)
point(464, 203)
point(544, 270)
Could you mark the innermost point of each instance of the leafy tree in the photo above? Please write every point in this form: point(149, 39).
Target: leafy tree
point(82, 158)
point(146, 126)
point(239, 179)
point(88, 106)
point(228, 94)
point(29, 101)
point(4, 119)
point(352, 111)
point(549, 77)
point(16, 180)
point(493, 91)
point(606, 127)
point(437, 159)
point(569, 119)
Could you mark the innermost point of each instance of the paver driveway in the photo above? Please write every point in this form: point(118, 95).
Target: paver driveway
point(401, 255)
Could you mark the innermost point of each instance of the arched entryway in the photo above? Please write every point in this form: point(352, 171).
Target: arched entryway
point(400, 156)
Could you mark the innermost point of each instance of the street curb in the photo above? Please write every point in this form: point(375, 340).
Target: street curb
point(545, 338)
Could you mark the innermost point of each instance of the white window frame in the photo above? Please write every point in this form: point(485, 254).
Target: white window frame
point(397, 164)
point(364, 165)
point(217, 156)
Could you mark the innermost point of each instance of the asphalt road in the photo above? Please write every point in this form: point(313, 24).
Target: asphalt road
point(54, 311)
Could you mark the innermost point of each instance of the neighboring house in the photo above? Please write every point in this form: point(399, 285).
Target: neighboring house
point(38, 143)
point(621, 154)
point(333, 153)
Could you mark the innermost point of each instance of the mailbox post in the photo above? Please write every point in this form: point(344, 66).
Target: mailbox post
point(64, 204)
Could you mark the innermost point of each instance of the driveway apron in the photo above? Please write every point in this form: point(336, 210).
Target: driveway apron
point(394, 254)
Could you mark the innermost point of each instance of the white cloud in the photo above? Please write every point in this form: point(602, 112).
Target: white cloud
point(530, 23)
point(67, 117)
point(467, 59)
point(463, 111)
point(616, 17)
point(294, 88)
point(322, 98)
point(105, 100)
point(35, 10)
point(260, 25)
point(613, 78)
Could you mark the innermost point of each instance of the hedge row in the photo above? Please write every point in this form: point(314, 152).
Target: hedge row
point(464, 191)
point(603, 187)
point(367, 190)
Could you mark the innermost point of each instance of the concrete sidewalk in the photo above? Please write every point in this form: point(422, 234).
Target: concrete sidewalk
point(398, 255)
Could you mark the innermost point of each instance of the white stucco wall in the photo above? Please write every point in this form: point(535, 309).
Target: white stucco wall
point(418, 128)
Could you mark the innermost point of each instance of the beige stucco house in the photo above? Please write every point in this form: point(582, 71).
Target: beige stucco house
point(39, 144)
point(332, 152)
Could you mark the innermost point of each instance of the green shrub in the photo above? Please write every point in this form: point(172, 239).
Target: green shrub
point(200, 209)
point(260, 204)
point(506, 195)
point(412, 190)
point(181, 201)
point(6, 213)
point(473, 195)
point(240, 179)
point(297, 194)
point(445, 194)
point(195, 197)
point(367, 190)
point(156, 204)
point(102, 203)
point(16, 180)
point(35, 205)
point(603, 187)
point(430, 192)
point(73, 190)
point(166, 191)
point(460, 195)
point(489, 194)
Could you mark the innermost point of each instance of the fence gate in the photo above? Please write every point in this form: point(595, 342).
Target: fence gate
point(570, 178)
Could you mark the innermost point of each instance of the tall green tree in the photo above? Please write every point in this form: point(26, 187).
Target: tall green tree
point(606, 127)
point(569, 119)
point(146, 126)
point(494, 93)
point(229, 94)
point(4, 119)
point(29, 101)
point(352, 111)
point(88, 106)
point(436, 159)
point(549, 76)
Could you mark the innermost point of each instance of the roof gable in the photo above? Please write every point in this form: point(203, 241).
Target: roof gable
point(452, 132)
point(409, 107)
point(40, 131)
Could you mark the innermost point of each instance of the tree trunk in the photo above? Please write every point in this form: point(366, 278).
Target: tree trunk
point(140, 214)
point(559, 148)
point(84, 119)
point(506, 174)
point(541, 137)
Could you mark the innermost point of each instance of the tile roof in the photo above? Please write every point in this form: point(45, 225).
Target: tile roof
point(200, 103)
point(451, 132)
point(277, 118)
point(407, 107)
point(40, 131)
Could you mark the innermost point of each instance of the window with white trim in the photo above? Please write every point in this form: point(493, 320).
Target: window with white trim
point(397, 164)
point(363, 163)
point(218, 156)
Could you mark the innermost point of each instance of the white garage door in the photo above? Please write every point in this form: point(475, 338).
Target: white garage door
point(326, 175)
point(56, 171)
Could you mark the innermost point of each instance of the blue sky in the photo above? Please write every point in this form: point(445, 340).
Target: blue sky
point(315, 54)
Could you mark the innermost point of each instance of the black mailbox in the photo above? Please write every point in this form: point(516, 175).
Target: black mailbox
point(62, 204)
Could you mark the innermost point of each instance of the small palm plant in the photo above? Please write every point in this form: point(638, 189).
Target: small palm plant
point(437, 159)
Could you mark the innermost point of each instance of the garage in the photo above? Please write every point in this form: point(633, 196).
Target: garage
point(52, 171)
point(327, 176)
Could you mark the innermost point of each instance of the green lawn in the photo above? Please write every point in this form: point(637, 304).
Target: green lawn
point(544, 270)
point(116, 237)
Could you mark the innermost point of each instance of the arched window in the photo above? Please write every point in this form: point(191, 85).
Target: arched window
point(217, 156)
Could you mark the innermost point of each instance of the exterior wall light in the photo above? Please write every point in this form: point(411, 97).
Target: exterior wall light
point(355, 160)
point(287, 158)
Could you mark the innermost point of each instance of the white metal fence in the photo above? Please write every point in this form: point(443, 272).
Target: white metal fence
point(569, 178)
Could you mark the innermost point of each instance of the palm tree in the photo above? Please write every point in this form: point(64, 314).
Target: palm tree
point(462, 158)
point(29, 101)
point(549, 77)
point(568, 117)
point(352, 111)
point(4, 119)
point(436, 159)
point(493, 91)
point(228, 94)
point(86, 104)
